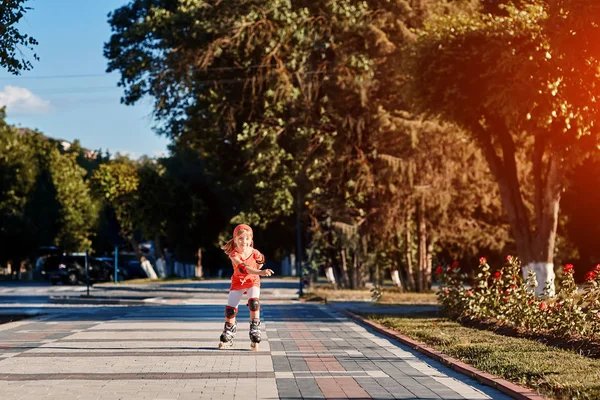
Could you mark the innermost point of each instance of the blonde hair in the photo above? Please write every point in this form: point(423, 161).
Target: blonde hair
point(229, 247)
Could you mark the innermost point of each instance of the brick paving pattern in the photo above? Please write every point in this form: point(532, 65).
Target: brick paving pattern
point(170, 352)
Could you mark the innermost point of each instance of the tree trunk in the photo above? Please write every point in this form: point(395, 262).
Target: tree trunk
point(429, 261)
point(333, 264)
point(408, 251)
point(422, 244)
point(355, 272)
point(135, 245)
point(362, 261)
point(396, 279)
point(546, 208)
point(199, 273)
point(535, 250)
point(346, 278)
point(158, 251)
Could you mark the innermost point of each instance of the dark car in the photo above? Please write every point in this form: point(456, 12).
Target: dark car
point(70, 269)
point(129, 268)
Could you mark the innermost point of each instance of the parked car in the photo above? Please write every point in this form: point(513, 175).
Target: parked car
point(129, 266)
point(70, 269)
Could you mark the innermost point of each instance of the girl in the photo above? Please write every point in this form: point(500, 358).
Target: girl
point(247, 263)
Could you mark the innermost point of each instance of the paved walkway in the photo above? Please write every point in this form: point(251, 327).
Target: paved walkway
point(169, 352)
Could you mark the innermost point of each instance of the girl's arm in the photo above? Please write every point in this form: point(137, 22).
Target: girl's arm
point(261, 272)
point(259, 257)
point(244, 269)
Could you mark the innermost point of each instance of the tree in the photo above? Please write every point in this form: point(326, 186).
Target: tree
point(43, 197)
point(11, 39)
point(522, 88)
point(17, 179)
point(282, 100)
point(77, 209)
point(117, 184)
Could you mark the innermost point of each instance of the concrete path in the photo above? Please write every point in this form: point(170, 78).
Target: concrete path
point(169, 352)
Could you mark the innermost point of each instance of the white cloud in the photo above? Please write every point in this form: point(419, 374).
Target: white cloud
point(22, 101)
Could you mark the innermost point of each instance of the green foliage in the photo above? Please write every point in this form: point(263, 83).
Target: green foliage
point(11, 39)
point(506, 298)
point(117, 183)
point(78, 210)
point(17, 178)
point(285, 103)
point(44, 199)
point(512, 79)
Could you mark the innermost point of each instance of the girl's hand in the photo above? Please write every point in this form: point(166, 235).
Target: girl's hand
point(266, 272)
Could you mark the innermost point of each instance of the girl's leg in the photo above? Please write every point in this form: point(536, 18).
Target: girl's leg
point(233, 301)
point(254, 306)
point(254, 302)
point(230, 328)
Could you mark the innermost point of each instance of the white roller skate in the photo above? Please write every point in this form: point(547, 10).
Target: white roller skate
point(226, 339)
point(254, 334)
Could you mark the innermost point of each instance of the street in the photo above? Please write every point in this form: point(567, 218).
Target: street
point(165, 347)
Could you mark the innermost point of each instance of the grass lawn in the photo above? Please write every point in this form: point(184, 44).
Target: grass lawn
point(555, 373)
point(389, 295)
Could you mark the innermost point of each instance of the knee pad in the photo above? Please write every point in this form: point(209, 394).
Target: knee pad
point(254, 304)
point(230, 312)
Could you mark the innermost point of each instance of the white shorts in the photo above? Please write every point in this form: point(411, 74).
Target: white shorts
point(236, 295)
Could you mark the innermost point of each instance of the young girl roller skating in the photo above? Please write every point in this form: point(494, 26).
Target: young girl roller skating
point(247, 263)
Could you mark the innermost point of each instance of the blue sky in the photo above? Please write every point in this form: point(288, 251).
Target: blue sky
point(57, 100)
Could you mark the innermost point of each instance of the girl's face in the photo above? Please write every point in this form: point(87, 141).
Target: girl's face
point(243, 240)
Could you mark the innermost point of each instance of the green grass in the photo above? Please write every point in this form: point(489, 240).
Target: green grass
point(389, 295)
point(555, 373)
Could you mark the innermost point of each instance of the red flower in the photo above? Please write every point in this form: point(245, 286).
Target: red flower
point(530, 301)
point(469, 292)
point(543, 306)
point(439, 270)
point(482, 260)
point(568, 269)
point(597, 269)
point(446, 291)
point(454, 264)
point(497, 275)
point(509, 258)
point(590, 276)
point(513, 287)
point(505, 298)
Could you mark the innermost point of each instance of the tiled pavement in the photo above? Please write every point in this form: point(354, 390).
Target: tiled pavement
point(169, 352)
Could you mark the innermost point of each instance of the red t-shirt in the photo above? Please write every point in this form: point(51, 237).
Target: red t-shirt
point(241, 280)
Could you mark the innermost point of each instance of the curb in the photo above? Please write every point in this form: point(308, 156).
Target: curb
point(506, 387)
point(96, 300)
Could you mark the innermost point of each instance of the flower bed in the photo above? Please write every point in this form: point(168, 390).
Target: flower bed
point(504, 298)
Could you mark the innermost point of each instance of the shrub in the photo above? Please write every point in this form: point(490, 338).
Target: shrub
point(505, 297)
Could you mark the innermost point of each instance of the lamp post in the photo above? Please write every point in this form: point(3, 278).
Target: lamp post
point(87, 272)
point(299, 241)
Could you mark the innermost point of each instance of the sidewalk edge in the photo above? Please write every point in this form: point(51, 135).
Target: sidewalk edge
point(509, 388)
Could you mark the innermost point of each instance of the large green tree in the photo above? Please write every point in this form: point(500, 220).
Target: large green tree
point(117, 184)
point(522, 85)
point(44, 199)
point(17, 178)
point(12, 41)
point(283, 100)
